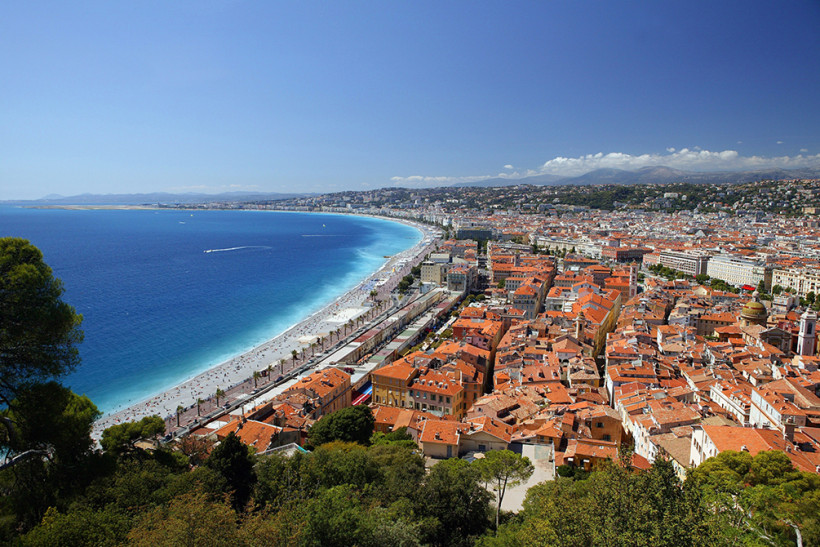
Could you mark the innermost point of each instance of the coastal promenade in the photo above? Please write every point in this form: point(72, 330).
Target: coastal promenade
point(259, 367)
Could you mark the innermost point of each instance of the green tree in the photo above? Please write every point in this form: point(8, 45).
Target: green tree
point(386, 528)
point(351, 424)
point(190, 519)
point(453, 505)
point(401, 470)
point(336, 518)
point(285, 526)
point(399, 436)
point(280, 480)
point(54, 426)
point(219, 394)
point(83, 526)
point(675, 511)
point(503, 468)
point(405, 283)
point(40, 332)
point(53, 420)
point(545, 516)
point(120, 439)
point(233, 461)
point(761, 499)
point(340, 463)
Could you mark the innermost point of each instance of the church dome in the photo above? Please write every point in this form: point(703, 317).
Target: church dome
point(754, 311)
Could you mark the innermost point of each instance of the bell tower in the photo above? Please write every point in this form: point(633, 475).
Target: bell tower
point(633, 280)
point(807, 336)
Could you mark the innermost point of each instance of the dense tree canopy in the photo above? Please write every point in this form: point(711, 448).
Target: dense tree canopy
point(352, 424)
point(119, 439)
point(233, 461)
point(39, 332)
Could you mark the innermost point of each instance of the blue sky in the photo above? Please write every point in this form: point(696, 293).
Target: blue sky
point(117, 97)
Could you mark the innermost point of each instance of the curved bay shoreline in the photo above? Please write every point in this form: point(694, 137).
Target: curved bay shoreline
point(237, 372)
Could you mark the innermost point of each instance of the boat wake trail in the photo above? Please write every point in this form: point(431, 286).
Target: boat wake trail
point(236, 248)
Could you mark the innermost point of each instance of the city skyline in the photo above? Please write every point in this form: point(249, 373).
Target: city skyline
point(229, 96)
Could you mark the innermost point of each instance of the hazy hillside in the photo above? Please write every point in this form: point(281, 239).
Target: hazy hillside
point(650, 175)
point(153, 198)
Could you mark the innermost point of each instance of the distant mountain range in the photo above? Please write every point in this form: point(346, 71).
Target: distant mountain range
point(152, 198)
point(651, 175)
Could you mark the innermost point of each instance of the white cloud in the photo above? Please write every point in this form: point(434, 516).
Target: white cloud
point(508, 166)
point(685, 159)
point(779, 142)
point(804, 150)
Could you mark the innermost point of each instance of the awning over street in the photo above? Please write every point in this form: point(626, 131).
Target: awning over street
point(365, 394)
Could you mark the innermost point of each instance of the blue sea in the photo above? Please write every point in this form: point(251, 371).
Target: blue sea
point(168, 294)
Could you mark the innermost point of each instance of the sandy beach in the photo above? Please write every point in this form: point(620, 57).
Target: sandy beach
point(237, 370)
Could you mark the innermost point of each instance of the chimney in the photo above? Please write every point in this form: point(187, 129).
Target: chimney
point(788, 429)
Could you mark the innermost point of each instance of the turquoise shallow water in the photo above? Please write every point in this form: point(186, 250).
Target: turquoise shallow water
point(168, 294)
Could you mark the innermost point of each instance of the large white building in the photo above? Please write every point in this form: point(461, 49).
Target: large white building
point(688, 263)
point(802, 281)
point(739, 271)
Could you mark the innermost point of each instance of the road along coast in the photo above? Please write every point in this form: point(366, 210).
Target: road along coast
point(322, 330)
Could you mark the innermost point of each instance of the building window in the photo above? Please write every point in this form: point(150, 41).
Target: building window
point(599, 424)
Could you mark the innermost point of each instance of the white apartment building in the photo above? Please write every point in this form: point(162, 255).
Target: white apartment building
point(692, 264)
point(432, 272)
point(802, 281)
point(739, 271)
point(733, 398)
point(774, 410)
